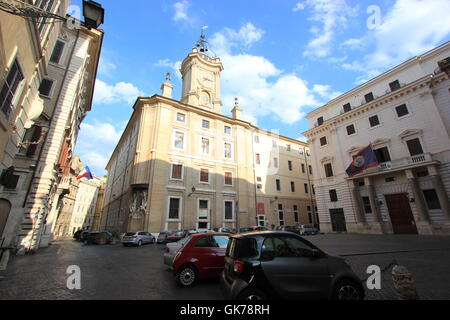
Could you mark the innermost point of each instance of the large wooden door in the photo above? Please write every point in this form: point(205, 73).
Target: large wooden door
point(5, 207)
point(401, 215)
point(338, 220)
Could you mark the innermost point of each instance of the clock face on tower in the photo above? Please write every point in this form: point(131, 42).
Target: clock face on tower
point(206, 79)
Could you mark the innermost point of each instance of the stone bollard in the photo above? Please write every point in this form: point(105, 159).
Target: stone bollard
point(404, 284)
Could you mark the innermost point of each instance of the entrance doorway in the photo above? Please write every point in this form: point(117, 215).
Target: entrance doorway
point(338, 220)
point(401, 215)
point(5, 208)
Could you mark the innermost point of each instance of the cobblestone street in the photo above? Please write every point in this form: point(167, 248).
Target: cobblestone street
point(115, 272)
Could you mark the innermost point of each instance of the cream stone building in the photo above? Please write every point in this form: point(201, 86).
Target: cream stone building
point(404, 114)
point(42, 152)
point(185, 165)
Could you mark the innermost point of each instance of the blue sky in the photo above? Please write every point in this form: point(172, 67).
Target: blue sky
point(282, 58)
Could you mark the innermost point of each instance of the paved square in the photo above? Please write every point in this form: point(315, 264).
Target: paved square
point(116, 272)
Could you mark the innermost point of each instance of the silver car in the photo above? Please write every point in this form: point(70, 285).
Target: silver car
point(171, 250)
point(137, 238)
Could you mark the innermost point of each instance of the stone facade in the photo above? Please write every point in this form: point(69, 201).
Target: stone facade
point(404, 114)
point(184, 165)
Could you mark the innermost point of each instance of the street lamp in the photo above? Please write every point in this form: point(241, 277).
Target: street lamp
point(93, 14)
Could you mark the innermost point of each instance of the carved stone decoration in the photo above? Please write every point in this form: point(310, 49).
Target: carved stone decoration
point(138, 207)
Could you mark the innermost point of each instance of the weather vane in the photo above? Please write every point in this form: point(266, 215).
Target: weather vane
point(202, 44)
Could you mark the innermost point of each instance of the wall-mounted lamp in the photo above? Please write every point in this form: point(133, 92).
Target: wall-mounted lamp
point(193, 190)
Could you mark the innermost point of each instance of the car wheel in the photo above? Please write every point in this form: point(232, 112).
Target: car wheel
point(187, 276)
point(347, 290)
point(125, 245)
point(252, 294)
point(139, 243)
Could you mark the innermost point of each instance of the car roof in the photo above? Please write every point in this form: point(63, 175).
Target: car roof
point(262, 233)
point(194, 235)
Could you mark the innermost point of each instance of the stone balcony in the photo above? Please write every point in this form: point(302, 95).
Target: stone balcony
point(398, 164)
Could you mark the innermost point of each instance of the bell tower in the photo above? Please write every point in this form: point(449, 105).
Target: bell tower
point(201, 78)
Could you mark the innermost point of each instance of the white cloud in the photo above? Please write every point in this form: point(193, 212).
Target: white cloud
point(181, 8)
point(96, 142)
point(119, 92)
point(262, 88)
point(106, 67)
point(409, 28)
point(174, 66)
point(222, 42)
point(299, 6)
point(325, 91)
point(330, 15)
point(353, 43)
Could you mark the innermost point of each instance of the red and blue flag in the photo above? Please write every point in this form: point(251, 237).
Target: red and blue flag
point(85, 173)
point(364, 159)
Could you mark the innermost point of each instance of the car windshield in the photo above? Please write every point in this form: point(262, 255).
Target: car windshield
point(242, 248)
point(130, 233)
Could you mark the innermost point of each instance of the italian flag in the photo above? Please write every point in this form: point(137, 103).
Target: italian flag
point(85, 173)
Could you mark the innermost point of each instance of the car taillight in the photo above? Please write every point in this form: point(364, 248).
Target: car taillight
point(238, 267)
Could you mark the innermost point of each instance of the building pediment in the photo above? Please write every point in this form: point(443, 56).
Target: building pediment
point(410, 132)
point(354, 149)
point(326, 159)
point(380, 141)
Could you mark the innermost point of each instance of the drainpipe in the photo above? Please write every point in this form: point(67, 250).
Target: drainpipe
point(310, 190)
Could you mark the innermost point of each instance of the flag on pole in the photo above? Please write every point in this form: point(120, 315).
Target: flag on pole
point(364, 159)
point(85, 173)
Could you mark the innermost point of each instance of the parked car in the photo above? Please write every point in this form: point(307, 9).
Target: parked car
point(171, 250)
point(307, 229)
point(251, 229)
point(223, 229)
point(202, 256)
point(162, 236)
point(137, 238)
point(80, 235)
point(293, 229)
point(267, 265)
point(175, 236)
point(98, 237)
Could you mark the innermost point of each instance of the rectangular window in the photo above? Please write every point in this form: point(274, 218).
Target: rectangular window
point(9, 89)
point(177, 170)
point(203, 209)
point(57, 52)
point(374, 121)
point(174, 208)
point(313, 190)
point(227, 130)
point(274, 143)
point(366, 204)
point(204, 175)
point(432, 199)
point(310, 170)
point(320, 121)
point(306, 188)
point(205, 145)
point(347, 107)
point(333, 195)
point(228, 210)
point(414, 147)
point(288, 147)
point(295, 214)
point(290, 165)
point(46, 5)
point(292, 186)
point(394, 85)
point(178, 142)
point(328, 170)
point(205, 124)
point(275, 162)
point(368, 97)
point(258, 158)
point(256, 139)
point(45, 88)
point(303, 168)
point(351, 130)
point(227, 151)
point(278, 183)
point(181, 117)
point(323, 141)
point(382, 154)
point(228, 178)
point(401, 110)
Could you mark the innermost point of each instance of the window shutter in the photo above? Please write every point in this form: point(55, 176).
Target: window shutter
point(32, 147)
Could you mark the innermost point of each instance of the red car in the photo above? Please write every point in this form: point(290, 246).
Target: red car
point(202, 256)
point(175, 236)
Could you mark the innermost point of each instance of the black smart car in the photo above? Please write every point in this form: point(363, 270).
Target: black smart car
point(276, 264)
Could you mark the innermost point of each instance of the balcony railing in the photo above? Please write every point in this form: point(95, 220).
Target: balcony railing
point(402, 162)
